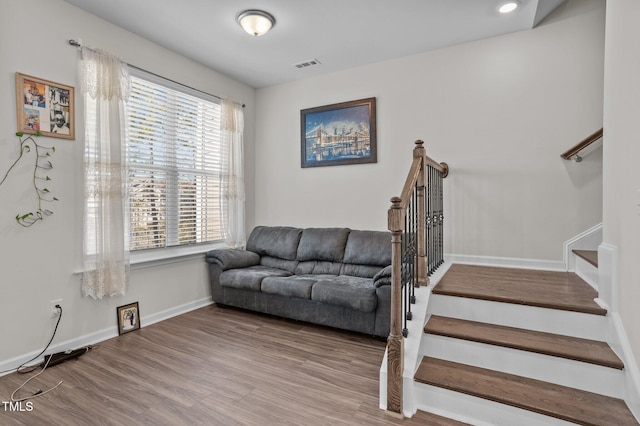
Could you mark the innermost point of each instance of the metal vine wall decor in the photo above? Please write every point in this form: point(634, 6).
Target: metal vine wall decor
point(41, 166)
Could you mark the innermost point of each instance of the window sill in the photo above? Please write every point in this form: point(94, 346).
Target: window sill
point(148, 258)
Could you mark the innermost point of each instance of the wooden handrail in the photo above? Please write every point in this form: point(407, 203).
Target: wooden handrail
point(442, 167)
point(410, 183)
point(414, 171)
point(401, 224)
point(575, 150)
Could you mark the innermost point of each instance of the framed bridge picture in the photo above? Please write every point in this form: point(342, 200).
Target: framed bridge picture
point(339, 134)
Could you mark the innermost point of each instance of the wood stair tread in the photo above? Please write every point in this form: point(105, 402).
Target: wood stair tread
point(574, 348)
point(558, 401)
point(590, 256)
point(546, 289)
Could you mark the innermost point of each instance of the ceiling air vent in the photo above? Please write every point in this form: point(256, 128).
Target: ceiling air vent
point(307, 63)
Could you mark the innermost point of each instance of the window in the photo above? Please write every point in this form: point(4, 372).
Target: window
point(174, 158)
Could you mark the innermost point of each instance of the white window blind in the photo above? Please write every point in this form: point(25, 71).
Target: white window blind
point(174, 158)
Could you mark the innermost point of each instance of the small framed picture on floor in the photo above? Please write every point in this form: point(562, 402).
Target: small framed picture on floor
point(128, 318)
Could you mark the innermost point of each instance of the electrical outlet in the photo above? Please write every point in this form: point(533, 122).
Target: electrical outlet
point(52, 307)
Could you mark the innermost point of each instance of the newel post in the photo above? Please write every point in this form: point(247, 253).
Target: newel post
point(395, 341)
point(422, 278)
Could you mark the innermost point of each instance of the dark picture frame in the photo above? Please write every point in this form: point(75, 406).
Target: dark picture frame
point(339, 134)
point(128, 318)
point(44, 106)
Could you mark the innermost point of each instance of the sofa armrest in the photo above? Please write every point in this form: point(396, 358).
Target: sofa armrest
point(383, 277)
point(232, 258)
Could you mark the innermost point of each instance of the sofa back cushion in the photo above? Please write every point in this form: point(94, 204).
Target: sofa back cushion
point(275, 241)
point(371, 248)
point(278, 263)
point(323, 244)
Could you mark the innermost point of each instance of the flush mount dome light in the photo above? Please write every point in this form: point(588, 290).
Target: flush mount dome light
point(508, 7)
point(256, 22)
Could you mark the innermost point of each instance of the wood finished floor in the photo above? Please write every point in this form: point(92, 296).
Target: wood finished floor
point(590, 351)
point(216, 366)
point(565, 403)
point(546, 289)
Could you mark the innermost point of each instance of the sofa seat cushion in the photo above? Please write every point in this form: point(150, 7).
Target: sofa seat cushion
point(352, 292)
point(249, 278)
point(293, 286)
point(318, 268)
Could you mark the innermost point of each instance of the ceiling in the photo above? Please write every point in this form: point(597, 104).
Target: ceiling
point(340, 34)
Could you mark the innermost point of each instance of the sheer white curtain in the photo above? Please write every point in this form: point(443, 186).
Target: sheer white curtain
point(105, 86)
point(233, 225)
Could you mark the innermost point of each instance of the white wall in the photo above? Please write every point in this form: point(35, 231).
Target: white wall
point(37, 264)
point(500, 111)
point(621, 213)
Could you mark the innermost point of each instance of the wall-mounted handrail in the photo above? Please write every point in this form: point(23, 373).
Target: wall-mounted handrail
point(415, 220)
point(574, 151)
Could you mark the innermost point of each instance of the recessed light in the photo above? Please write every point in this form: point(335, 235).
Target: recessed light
point(508, 7)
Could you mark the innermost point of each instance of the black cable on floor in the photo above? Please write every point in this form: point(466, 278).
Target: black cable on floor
point(29, 369)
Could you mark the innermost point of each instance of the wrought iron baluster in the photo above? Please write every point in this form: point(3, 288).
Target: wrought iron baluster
point(433, 223)
point(430, 224)
point(441, 211)
point(414, 245)
point(435, 220)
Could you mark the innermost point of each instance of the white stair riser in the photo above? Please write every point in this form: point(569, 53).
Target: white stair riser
point(587, 272)
point(561, 371)
point(576, 324)
point(478, 411)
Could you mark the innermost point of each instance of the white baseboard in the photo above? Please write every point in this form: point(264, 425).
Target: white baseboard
point(507, 262)
point(620, 344)
point(587, 272)
point(102, 335)
point(175, 311)
point(587, 240)
point(617, 336)
point(608, 275)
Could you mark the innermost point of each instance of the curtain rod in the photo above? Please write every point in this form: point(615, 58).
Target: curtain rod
point(77, 44)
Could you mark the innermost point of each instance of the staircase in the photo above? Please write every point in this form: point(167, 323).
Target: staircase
point(506, 346)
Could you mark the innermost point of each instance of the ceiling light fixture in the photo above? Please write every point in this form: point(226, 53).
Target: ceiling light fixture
point(256, 22)
point(508, 7)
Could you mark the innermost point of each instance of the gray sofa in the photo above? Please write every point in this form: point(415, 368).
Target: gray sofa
point(336, 277)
